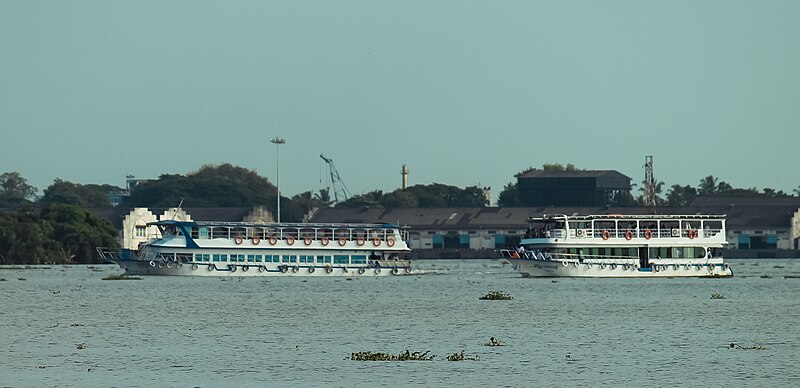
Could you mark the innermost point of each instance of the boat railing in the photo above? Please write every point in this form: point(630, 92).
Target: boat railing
point(579, 258)
point(630, 233)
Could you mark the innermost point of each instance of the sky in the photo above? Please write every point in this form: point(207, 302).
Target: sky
point(464, 93)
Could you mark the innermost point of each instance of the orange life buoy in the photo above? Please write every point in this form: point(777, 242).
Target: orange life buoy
point(628, 235)
point(290, 240)
point(692, 233)
point(325, 241)
point(605, 235)
point(273, 240)
point(256, 240)
point(342, 241)
point(648, 234)
point(376, 241)
point(390, 242)
point(307, 240)
point(360, 241)
point(238, 240)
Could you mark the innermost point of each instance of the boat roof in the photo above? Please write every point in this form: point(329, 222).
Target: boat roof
point(561, 217)
point(297, 225)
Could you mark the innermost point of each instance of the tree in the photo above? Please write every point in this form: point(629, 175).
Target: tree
point(72, 234)
point(15, 190)
point(681, 195)
point(658, 187)
point(509, 197)
point(76, 194)
point(211, 186)
point(708, 186)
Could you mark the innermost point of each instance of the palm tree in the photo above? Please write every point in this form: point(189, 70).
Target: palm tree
point(797, 191)
point(708, 185)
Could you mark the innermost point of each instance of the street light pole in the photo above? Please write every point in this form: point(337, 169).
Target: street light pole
point(278, 141)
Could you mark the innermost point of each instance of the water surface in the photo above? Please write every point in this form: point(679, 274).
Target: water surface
point(206, 332)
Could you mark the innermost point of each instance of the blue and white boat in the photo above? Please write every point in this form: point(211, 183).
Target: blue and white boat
point(615, 245)
point(201, 248)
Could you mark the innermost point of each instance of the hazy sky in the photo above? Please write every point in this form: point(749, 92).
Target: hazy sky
point(463, 92)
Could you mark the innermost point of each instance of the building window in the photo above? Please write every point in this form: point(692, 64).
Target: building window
point(141, 231)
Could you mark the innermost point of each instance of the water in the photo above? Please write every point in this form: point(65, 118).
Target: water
point(184, 331)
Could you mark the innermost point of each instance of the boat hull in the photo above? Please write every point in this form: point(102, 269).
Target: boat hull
point(153, 268)
point(557, 268)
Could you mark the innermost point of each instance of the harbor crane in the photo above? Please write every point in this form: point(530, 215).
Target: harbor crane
point(340, 192)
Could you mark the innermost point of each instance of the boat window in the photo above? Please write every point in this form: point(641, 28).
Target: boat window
point(324, 259)
point(236, 258)
point(306, 258)
point(220, 258)
point(359, 259)
point(254, 258)
point(204, 257)
point(341, 259)
point(272, 258)
point(289, 258)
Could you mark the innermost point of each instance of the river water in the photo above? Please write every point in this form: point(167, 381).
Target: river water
point(65, 326)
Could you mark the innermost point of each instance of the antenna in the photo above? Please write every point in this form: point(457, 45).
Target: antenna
point(340, 192)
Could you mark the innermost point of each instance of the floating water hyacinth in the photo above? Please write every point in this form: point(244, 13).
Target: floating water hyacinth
point(403, 356)
point(496, 295)
point(121, 277)
point(494, 342)
point(717, 295)
point(461, 357)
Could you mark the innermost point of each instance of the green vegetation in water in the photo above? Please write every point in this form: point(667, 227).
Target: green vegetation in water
point(461, 357)
point(95, 269)
point(2, 279)
point(21, 279)
point(754, 347)
point(765, 276)
point(778, 266)
point(496, 295)
point(717, 295)
point(404, 356)
point(494, 342)
point(792, 277)
point(121, 277)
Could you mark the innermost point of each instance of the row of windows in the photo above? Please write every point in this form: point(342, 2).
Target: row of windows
point(286, 259)
point(663, 252)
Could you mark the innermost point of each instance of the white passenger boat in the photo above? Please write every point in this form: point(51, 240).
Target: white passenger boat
point(248, 249)
point(622, 246)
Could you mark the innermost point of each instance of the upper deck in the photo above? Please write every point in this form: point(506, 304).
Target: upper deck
point(623, 230)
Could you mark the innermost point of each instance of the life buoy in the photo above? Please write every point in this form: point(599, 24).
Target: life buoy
point(390, 242)
point(628, 235)
point(290, 240)
point(273, 240)
point(692, 233)
point(395, 271)
point(378, 270)
point(194, 266)
point(342, 241)
point(328, 269)
point(178, 265)
point(211, 267)
point(408, 269)
point(256, 240)
point(284, 268)
point(160, 265)
point(376, 241)
point(360, 241)
point(605, 235)
point(238, 240)
point(311, 269)
point(232, 267)
point(325, 241)
point(614, 266)
point(262, 268)
point(152, 263)
point(295, 269)
point(648, 234)
point(577, 264)
point(245, 268)
point(361, 270)
point(307, 240)
point(565, 263)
